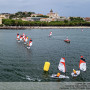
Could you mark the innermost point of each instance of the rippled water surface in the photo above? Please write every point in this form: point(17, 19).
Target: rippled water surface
point(19, 64)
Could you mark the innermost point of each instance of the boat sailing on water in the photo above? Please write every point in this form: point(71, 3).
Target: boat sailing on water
point(82, 66)
point(50, 34)
point(61, 68)
point(25, 40)
point(17, 36)
point(21, 37)
point(67, 40)
point(30, 44)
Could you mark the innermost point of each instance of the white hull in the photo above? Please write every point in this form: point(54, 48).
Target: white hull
point(28, 47)
point(61, 76)
point(75, 75)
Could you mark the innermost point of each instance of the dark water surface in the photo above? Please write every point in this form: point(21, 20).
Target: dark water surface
point(19, 64)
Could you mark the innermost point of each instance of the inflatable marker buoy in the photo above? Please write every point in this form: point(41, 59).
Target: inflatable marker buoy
point(46, 66)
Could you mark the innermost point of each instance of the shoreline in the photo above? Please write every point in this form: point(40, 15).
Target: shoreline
point(43, 27)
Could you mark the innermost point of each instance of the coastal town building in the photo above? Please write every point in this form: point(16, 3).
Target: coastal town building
point(40, 17)
point(53, 15)
point(63, 18)
point(87, 19)
point(47, 19)
point(4, 16)
point(0, 20)
point(31, 19)
point(35, 15)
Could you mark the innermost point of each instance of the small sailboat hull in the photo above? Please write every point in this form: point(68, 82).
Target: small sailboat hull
point(75, 75)
point(68, 41)
point(61, 76)
point(28, 47)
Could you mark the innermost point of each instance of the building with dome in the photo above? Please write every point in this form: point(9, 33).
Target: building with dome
point(53, 15)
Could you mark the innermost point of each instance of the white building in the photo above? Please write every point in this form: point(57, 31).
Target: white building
point(47, 19)
point(0, 20)
point(53, 15)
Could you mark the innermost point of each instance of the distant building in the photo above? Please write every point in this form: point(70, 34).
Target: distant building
point(63, 18)
point(47, 19)
point(0, 20)
point(87, 19)
point(4, 16)
point(53, 15)
point(35, 15)
point(31, 19)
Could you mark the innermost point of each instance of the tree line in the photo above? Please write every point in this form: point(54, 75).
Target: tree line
point(11, 22)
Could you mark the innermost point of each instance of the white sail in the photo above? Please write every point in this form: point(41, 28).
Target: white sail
point(82, 64)
point(61, 65)
point(50, 34)
point(30, 44)
point(17, 36)
point(23, 35)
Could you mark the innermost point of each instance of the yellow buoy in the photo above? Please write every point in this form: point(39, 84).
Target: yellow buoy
point(46, 66)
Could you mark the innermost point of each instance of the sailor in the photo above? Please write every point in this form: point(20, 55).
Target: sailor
point(58, 74)
point(74, 71)
point(30, 42)
point(82, 58)
point(17, 36)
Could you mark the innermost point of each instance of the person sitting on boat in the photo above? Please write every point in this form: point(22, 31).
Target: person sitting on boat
point(82, 58)
point(58, 74)
point(74, 71)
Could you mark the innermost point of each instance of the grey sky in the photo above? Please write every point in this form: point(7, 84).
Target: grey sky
point(62, 7)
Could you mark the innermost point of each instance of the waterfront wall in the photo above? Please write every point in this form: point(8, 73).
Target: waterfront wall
point(42, 27)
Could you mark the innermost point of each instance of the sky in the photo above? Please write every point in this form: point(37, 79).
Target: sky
point(77, 8)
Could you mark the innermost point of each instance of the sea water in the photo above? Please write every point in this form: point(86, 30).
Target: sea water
point(18, 64)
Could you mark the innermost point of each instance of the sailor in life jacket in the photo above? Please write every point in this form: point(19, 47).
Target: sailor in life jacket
point(74, 71)
point(58, 74)
point(30, 42)
point(82, 58)
point(26, 39)
point(17, 36)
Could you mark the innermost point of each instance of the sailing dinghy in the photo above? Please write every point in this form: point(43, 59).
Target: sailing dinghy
point(50, 34)
point(61, 68)
point(25, 40)
point(30, 44)
point(82, 66)
point(18, 37)
point(67, 40)
point(21, 37)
